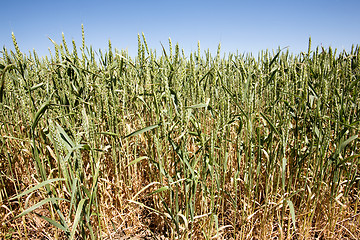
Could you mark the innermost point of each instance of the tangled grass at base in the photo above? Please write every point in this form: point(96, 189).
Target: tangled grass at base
point(99, 145)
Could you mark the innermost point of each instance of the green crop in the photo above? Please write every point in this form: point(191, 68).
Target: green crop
point(99, 145)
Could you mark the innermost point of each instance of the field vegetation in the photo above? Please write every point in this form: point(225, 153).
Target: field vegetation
point(100, 145)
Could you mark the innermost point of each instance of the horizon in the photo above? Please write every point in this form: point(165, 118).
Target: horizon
point(244, 27)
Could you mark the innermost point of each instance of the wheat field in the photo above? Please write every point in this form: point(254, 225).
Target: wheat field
point(164, 145)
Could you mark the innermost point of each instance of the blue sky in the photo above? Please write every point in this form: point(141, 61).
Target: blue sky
point(243, 26)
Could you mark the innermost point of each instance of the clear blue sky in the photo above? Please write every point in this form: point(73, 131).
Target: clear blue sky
point(246, 26)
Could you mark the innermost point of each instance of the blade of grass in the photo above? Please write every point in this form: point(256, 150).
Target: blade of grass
point(39, 204)
point(145, 129)
point(40, 185)
point(77, 218)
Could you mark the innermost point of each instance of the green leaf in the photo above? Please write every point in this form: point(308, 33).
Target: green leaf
point(182, 158)
point(137, 160)
point(54, 223)
point(271, 124)
point(2, 80)
point(41, 112)
point(272, 76)
point(81, 147)
point(274, 59)
point(159, 190)
point(73, 194)
point(348, 159)
point(292, 212)
point(93, 190)
point(77, 218)
point(146, 129)
point(36, 86)
point(143, 189)
point(69, 143)
point(40, 185)
point(39, 204)
point(201, 105)
point(346, 142)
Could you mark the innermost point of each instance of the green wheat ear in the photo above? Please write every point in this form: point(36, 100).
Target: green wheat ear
point(146, 46)
point(218, 53)
point(177, 51)
point(83, 45)
point(18, 52)
point(6, 55)
point(198, 50)
point(74, 49)
point(170, 46)
point(50, 53)
point(82, 37)
point(65, 45)
point(110, 51)
point(57, 54)
point(36, 57)
point(140, 49)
